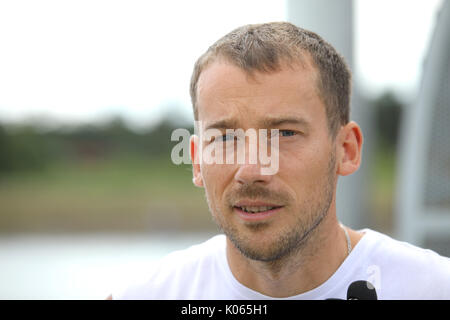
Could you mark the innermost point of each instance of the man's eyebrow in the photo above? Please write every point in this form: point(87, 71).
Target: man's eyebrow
point(264, 123)
point(277, 121)
point(222, 124)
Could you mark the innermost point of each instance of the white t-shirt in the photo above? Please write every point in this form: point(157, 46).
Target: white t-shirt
point(397, 270)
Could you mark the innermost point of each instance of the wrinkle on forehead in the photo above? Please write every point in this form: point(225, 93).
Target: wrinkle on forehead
point(304, 62)
point(235, 91)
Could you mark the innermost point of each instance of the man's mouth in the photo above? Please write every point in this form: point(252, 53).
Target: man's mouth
point(256, 211)
point(252, 209)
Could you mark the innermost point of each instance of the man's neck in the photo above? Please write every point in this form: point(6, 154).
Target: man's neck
point(301, 271)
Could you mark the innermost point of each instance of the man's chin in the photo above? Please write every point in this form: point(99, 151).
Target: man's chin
point(260, 252)
point(258, 242)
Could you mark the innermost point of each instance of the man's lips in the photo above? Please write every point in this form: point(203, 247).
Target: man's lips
point(250, 203)
point(256, 210)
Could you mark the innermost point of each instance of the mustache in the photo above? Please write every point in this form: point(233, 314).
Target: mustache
point(256, 192)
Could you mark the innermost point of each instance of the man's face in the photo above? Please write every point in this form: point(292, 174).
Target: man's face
point(291, 202)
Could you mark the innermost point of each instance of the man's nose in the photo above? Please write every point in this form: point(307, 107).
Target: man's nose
point(251, 173)
point(250, 168)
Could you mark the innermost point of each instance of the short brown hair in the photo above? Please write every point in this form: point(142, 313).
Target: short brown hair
point(263, 47)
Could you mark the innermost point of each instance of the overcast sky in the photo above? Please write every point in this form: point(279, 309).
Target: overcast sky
point(81, 60)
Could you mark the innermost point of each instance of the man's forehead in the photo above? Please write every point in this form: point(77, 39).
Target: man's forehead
point(223, 75)
point(228, 97)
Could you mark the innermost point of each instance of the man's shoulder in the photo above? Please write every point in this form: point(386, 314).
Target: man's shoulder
point(409, 270)
point(400, 251)
point(194, 254)
point(170, 276)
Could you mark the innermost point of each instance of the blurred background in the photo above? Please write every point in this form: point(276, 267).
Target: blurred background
point(90, 92)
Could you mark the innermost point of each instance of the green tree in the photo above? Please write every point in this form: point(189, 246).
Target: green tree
point(388, 112)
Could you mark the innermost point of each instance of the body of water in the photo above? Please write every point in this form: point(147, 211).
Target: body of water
point(87, 266)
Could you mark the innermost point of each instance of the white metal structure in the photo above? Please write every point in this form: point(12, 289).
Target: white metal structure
point(423, 189)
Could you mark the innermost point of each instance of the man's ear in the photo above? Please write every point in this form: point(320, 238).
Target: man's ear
point(195, 158)
point(349, 147)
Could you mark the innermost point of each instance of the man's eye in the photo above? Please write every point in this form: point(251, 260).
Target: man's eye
point(287, 133)
point(226, 137)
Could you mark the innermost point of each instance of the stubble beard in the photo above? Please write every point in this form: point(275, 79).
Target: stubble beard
point(294, 237)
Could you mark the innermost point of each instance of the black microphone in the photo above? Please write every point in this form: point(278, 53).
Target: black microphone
point(361, 290)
